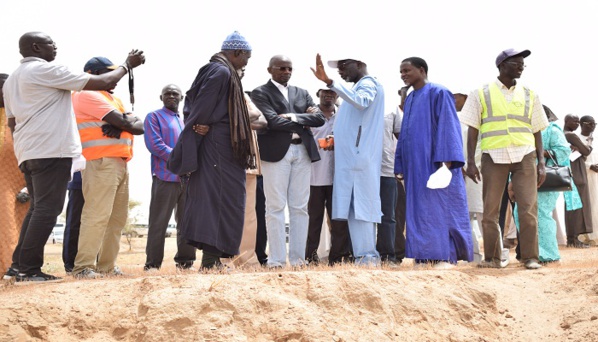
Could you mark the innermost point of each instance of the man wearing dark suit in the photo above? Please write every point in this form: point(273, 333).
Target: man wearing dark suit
point(286, 150)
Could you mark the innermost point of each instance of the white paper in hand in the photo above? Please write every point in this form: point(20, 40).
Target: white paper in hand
point(440, 179)
point(78, 165)
point(574, 155)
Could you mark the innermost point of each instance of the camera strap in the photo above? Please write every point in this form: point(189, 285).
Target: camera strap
point(132, 89)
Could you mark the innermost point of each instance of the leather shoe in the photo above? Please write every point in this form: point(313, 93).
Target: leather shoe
point(489, 264)
point(391, 263)
point(314, 259)
point(532, 264)
point(578, 244)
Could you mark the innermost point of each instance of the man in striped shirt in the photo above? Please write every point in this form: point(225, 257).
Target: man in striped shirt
point(162, 130)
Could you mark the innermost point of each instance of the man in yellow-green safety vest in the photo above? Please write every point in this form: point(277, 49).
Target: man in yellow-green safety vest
point(510, 119)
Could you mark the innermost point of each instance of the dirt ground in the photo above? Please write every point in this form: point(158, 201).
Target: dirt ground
point(344, 303)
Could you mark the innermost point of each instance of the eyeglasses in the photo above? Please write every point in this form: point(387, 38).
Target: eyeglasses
point(517, 64)
point(282, 68)
point(343, 64)
point(51, 42)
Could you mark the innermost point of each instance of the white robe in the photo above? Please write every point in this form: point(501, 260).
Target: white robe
point(593, 188)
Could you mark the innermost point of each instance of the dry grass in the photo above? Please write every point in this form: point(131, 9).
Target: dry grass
point(131, 263)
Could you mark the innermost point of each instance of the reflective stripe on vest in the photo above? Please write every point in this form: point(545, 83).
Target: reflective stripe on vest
point(101, 142)
point(96, 145)
point(506, 124)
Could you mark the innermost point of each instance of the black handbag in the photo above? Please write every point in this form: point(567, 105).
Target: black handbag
point(558, 178)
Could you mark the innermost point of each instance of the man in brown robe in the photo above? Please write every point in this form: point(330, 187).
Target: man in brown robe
point(11, 183)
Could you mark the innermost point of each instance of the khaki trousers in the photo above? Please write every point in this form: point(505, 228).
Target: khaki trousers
point(247, 249)
point(524, 179)
point(106, 192)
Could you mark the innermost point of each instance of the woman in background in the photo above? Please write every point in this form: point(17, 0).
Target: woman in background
point(555, 144)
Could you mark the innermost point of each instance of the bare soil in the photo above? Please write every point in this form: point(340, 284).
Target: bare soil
point(344, 303)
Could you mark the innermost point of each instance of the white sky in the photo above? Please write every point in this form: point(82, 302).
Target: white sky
point(459, 39)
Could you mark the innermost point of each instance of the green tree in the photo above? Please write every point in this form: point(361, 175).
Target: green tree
point(132, 218)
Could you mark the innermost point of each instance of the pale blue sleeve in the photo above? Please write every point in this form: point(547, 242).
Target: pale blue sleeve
point(361, 96)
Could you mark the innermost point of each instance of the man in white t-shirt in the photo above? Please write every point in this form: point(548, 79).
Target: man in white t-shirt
point(39, 111)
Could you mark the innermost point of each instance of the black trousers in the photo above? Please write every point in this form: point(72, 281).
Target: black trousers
point(166, 197)
point(387, 228)
point(320, 197)
point(46, 181)
point(70, 244)
point(400, 211)
point(261, 235)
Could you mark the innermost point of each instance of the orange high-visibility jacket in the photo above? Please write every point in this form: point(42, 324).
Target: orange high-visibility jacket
point(96, 145)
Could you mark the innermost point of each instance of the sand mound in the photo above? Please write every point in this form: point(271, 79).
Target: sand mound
point(344, 303)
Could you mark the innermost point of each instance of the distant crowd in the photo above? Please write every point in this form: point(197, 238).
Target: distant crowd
point(442, 178)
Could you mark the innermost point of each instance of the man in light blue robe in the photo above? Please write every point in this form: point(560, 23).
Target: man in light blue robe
point(358, 137)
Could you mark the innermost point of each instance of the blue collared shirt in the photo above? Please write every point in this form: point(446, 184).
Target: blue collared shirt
point(162, 130)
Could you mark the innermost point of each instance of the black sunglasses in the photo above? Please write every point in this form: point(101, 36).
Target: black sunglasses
point(283, 68)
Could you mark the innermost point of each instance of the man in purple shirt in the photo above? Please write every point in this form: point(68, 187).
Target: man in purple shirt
point(162, 130)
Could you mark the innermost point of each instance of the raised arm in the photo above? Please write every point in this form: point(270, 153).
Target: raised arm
point(361, 96)
point(109, 80)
